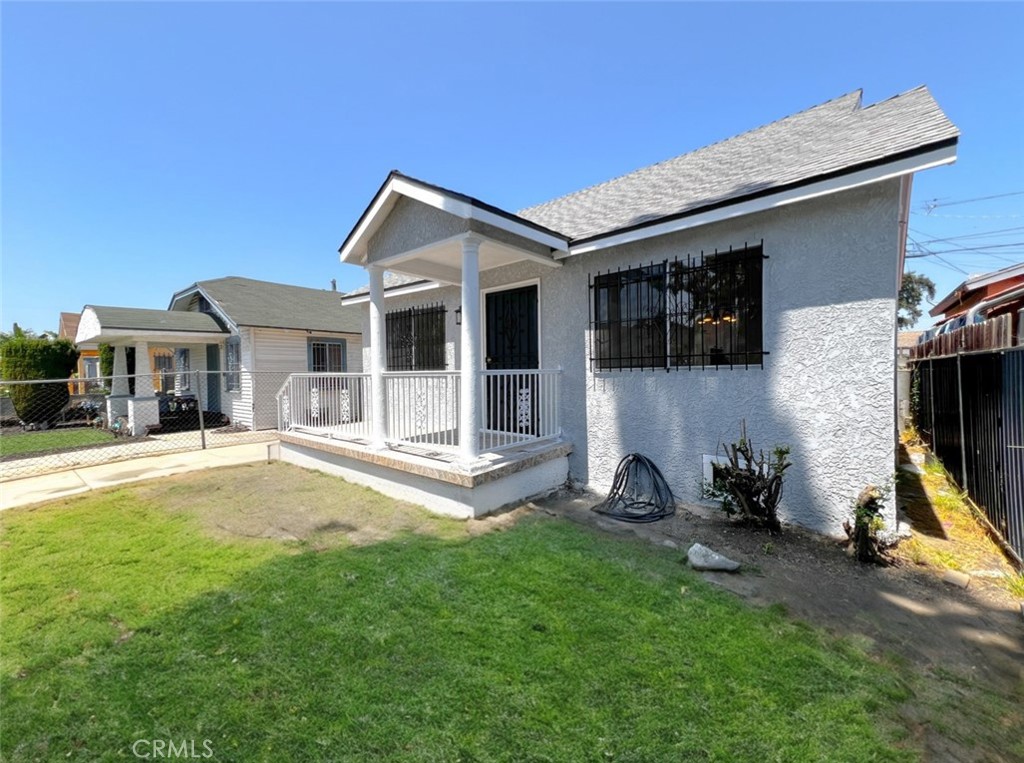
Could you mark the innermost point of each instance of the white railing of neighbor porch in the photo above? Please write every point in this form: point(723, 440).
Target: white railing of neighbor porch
point(518, 407)
point(328, 404)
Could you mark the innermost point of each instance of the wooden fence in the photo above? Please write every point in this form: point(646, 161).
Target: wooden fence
point(994, 334)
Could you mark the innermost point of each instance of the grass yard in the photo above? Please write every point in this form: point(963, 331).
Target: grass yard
point(128, 615)
point(28, 443)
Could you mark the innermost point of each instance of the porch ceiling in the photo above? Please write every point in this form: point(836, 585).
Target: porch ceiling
point(442, 261)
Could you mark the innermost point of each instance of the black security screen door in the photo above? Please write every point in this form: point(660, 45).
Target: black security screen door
point(511, 320)
point(513, 343)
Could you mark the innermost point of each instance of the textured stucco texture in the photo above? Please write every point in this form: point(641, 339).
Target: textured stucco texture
point(826, 389)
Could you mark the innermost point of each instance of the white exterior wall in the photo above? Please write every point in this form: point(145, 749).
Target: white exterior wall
point(827, 386)
point(274, 354)
point(237, 404)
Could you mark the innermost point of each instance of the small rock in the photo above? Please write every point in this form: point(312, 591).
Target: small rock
point(917, 458)
point(959, 579)
point(912, 468)
point(993, 574)
point(703, 558)
point(669, 543)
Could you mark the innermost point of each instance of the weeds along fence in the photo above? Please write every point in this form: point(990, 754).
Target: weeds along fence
point(52, 425)
point(969, 408)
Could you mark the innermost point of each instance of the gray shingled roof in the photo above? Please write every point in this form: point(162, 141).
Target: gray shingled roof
point(276, 305)
point(833, 137)
point(391, 281)
point(138, 318)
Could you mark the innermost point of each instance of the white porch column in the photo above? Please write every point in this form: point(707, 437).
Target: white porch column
point(378, 358)
point(143, 407)
point(117, 400)
point(143, 377)
point(119, 384)
point(469, 410)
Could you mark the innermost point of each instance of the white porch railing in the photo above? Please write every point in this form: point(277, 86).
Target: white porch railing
point(519, 406)
point(335, 405)
point(423, 408)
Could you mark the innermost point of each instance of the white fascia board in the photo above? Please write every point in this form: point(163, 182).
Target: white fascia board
point(352, 252)
point(519, 229)
point(359, 299)
point(128, 336)
point(990, 278)
point(199, 290)
point(898, 168)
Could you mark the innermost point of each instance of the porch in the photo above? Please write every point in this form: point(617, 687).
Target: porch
point(194, 341)
point(416, 451)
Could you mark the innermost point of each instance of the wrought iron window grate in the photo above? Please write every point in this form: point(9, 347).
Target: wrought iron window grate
point(415, 338)
point(701, 311)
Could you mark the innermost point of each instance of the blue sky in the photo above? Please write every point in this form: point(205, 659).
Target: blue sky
point(149, 145)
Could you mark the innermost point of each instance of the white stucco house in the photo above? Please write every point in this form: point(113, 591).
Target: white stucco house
point(243, 336)
point(752, 280)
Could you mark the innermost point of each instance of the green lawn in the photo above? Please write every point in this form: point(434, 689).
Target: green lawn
point(125, 618)
point(51, 439)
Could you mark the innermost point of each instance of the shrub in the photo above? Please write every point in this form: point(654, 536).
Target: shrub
point(107, 364)
point(867, 524)
point(25, 358)
point(749, 485)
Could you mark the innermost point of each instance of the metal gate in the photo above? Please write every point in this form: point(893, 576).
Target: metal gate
point(970, 410)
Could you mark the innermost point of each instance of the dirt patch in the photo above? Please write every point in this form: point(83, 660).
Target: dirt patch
point(286, 503)
point(968, 642)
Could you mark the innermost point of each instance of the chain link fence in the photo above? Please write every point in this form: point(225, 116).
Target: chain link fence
point(53, 425)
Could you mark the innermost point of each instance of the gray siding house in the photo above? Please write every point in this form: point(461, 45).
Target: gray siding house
point(752, 280)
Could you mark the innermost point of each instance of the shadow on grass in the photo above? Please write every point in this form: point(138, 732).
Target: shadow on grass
point(545, 642)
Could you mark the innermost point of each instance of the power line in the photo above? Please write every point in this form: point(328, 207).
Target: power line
point(984, 234)
point(967, 217)
point(935, 203)
point(978, 249)
point(929, 253)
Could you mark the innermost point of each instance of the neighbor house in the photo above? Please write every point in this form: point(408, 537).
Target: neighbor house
point(229, 342)
point(981, 296)
point(752, 281)
point(88, 367)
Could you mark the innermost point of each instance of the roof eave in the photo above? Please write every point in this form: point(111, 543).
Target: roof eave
point(353, 249)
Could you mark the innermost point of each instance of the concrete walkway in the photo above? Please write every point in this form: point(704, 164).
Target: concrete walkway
point(47, 487)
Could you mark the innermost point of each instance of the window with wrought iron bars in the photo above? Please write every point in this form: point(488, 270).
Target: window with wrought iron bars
point(415, 338)
point(703, 311)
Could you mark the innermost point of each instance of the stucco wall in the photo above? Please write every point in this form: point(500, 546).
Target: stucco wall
point(826, 388)
point(411, 225)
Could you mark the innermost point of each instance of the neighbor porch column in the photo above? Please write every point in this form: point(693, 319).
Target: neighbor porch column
point(378, 358)
point(119, 384)
point(143, 375)
point(117, 400)
point(469, 411)
point(143, 408)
